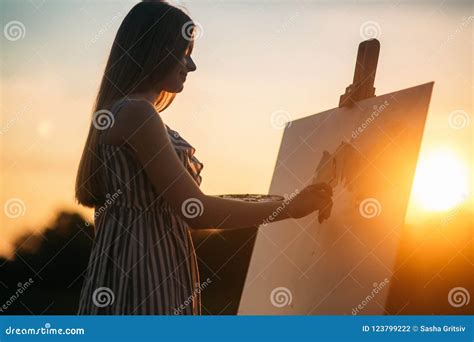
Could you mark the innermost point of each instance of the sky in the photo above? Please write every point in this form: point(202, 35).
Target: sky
point(253, 58)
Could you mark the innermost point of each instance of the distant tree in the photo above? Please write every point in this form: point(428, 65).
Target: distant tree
point(47, 271)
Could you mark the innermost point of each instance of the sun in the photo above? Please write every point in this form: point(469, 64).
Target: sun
point(441, 181)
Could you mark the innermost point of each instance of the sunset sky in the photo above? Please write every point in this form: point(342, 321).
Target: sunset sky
point(253, 59)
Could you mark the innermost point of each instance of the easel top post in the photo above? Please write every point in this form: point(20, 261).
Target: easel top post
point(362, 86)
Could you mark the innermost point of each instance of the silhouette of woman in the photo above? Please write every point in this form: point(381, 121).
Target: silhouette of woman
point(142, 177)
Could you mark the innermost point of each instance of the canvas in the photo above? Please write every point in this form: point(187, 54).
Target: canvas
point(368, 154)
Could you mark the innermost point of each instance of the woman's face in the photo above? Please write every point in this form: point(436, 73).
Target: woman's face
point(174, 81)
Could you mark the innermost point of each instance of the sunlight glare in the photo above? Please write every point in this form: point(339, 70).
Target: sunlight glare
point(441, 181)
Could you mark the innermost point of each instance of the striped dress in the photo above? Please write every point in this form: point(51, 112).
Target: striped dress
point(143, 259)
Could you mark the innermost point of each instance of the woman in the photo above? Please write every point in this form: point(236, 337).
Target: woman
point(143, 179)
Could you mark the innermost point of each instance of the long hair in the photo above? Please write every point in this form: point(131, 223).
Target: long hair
point(150, 42)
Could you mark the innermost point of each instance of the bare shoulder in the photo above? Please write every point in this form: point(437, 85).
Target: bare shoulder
point(136, 113)
point(135, 119)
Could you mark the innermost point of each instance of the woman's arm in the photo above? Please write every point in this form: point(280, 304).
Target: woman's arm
point(141, 127)
point(240, 214)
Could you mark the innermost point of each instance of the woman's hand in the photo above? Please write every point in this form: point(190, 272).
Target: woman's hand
point(313, 197)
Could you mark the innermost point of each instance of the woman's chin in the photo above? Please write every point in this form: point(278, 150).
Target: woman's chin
point(178, 89)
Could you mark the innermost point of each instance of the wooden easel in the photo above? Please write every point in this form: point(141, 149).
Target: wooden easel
point(362, 86)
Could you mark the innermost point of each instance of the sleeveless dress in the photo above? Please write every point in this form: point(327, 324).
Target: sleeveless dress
point(143, 260)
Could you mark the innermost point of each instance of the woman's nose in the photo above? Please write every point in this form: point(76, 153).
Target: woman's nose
point(190, 65)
